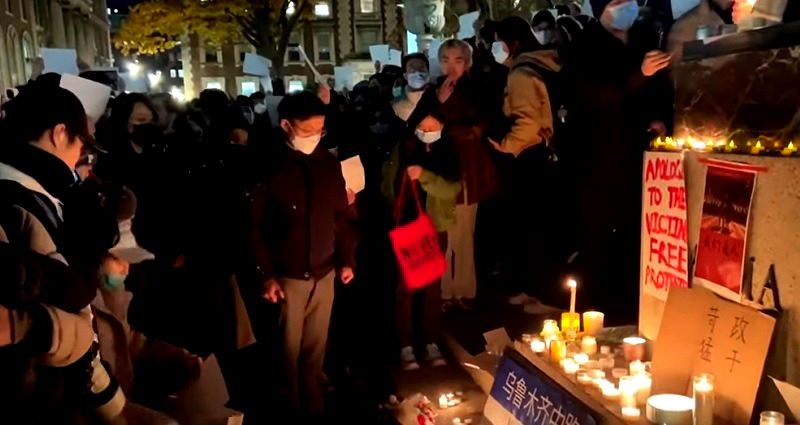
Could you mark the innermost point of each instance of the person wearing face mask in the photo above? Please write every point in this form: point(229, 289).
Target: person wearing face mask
point(622, 100)
point(456, 101)
point(544, 28)
point(416, 67)
point(300, 241)
point(428, 160)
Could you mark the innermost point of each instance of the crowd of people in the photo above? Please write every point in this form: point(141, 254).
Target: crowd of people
point(136, 246)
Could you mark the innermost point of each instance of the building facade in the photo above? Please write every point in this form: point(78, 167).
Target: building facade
point(339, 34)
point(27, 26)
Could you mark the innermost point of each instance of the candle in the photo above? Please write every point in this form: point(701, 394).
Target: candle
point(538, 346)
point(770, 417)
point(605, 350)
point(703, 390)
point(619, 372)
point(593, 322)
point(570, 366)
point(611, 392)
point(631, 414)
point(558, 350)
point(633, 347)
point(607, 362)
point(755, 150)
point(549, 329)
point(600, 383)
point(670, 409)
point(789, 150)
point(592, 364)
point(588, 343)
point(570, 322)
point(443, 401)
point(583, 377)
point(573, 288)
point(581, 358)
point(636, 367)
point(645, 384)
point(627, 391)
point(597, 374)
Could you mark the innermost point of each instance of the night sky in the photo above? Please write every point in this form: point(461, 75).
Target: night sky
point(121, 4)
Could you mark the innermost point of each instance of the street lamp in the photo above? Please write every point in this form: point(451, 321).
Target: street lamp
point(134, 68)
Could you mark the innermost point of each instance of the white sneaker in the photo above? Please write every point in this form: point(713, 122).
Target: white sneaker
point(433, 356)
point(407, 359)
point(520, 299)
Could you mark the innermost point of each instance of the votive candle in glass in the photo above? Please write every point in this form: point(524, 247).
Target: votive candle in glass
point(636, 367)
point(570, 322)
point(770, 417)
point(631, 414)
point(593, 322)
point(611, 392)
point(607, 362)
point(569, 366)
point(605, 350)
point(581, 358)
point(589, 345)
point(645, 384)
point(628, 388)
point(703, 392)
point(549, 329)
point(558, 350)
point(538, 346)
point(633, 348)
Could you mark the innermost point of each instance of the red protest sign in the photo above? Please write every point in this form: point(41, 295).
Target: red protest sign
point(664, 250)
point(723, 229)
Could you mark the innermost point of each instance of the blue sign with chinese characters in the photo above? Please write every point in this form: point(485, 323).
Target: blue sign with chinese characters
point(532, 399)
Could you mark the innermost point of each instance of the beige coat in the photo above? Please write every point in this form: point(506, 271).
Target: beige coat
point(526, 102)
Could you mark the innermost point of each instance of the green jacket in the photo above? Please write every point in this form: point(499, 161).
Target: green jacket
point(440, 203)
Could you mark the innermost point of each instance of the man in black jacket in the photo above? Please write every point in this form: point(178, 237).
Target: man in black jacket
point(299, 238)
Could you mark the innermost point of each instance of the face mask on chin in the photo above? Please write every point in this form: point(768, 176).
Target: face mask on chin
point(428, 137)
point(113, 281)
point(623, 16)
point(500, 52)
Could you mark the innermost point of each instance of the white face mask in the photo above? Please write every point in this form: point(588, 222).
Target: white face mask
point(500, 51)
point(544, 37)
point(428, 137)
point(306, 144)
point(417, 80)
point(259, 108)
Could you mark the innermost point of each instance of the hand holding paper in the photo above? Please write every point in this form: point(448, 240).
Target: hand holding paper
point(353, 172)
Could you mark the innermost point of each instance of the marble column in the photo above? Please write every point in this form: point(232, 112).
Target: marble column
point(80, 23)
point(69, 28)
point(59, 35)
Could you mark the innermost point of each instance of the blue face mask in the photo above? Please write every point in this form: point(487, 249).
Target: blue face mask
point(623, 15)
point(417, 80)
point(113, 281)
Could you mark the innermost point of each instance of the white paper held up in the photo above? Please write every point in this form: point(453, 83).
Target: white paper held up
point(353, 172)
point(60, 61)
point(379, 53)
point(256, 65)
point(395, 57)
point(466, 24)
point(344, 77)
point(93, 96)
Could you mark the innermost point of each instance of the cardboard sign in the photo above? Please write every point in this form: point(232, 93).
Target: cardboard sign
point(60, 61)
point(256, 65)
point(723, 228)
point(466, 25)
point(521, 394)
point(93, 96)
point(353, 172)
point(703, 333)
point(379, 53)
point(665, 241)
point(343, 75)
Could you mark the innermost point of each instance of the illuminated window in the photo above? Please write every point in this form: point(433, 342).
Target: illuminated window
point(367, 37)
point(214, 85)
point(295, 86)
point(173, 73)
point(367, 6)
point(323, 45)
point(322, 9)
point(248, 87)
point(180, 73)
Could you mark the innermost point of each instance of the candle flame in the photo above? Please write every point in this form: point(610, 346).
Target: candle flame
point(572, 283)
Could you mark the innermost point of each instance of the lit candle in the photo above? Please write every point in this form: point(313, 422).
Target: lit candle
point(703, 390)
point(611, 392)
point(593, 322)
point(730, 147)
point(443, 401)
point(633, 347)
point(789, 150)
point(605, 350)
point(600, 383)
point(617, 373)
point(597, 374)
point(549, 329)
point(645, 384)
point(538, 346)
point(570, 322)
point(627, 391)
point(570, 366)
point(770, 417)
point(583, 377)
point(631, 414)
point(636, 367)
point(588, 343)
point(558, 350)
point(755, 150)
point(573, 288)
point(670, 409)
point(581, 358)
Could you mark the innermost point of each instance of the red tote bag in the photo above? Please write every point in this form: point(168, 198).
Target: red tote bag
point(416, 244)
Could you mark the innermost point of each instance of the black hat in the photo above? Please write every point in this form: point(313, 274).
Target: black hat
point(598, 6)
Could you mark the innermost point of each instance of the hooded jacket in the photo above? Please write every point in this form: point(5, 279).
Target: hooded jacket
point(527, 104)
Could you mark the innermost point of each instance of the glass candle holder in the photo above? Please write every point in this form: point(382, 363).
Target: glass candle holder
point(627, 391)
point(636, 367)
point(593, 322)
point(703, 392)
point(558, 350)
point(770, 417)
point(589, 345)
point(570, 322)
point(538, 346)
point(633, 348)
point(550, 329)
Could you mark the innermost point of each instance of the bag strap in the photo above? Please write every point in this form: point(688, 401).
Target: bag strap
point(398, 204)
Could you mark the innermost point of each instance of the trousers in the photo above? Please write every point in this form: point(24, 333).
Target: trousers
point(460, 280)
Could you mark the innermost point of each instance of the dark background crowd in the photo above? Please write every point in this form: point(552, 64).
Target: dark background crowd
point(136, 246)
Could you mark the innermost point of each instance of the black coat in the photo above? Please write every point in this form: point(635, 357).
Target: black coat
point(299, 217)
